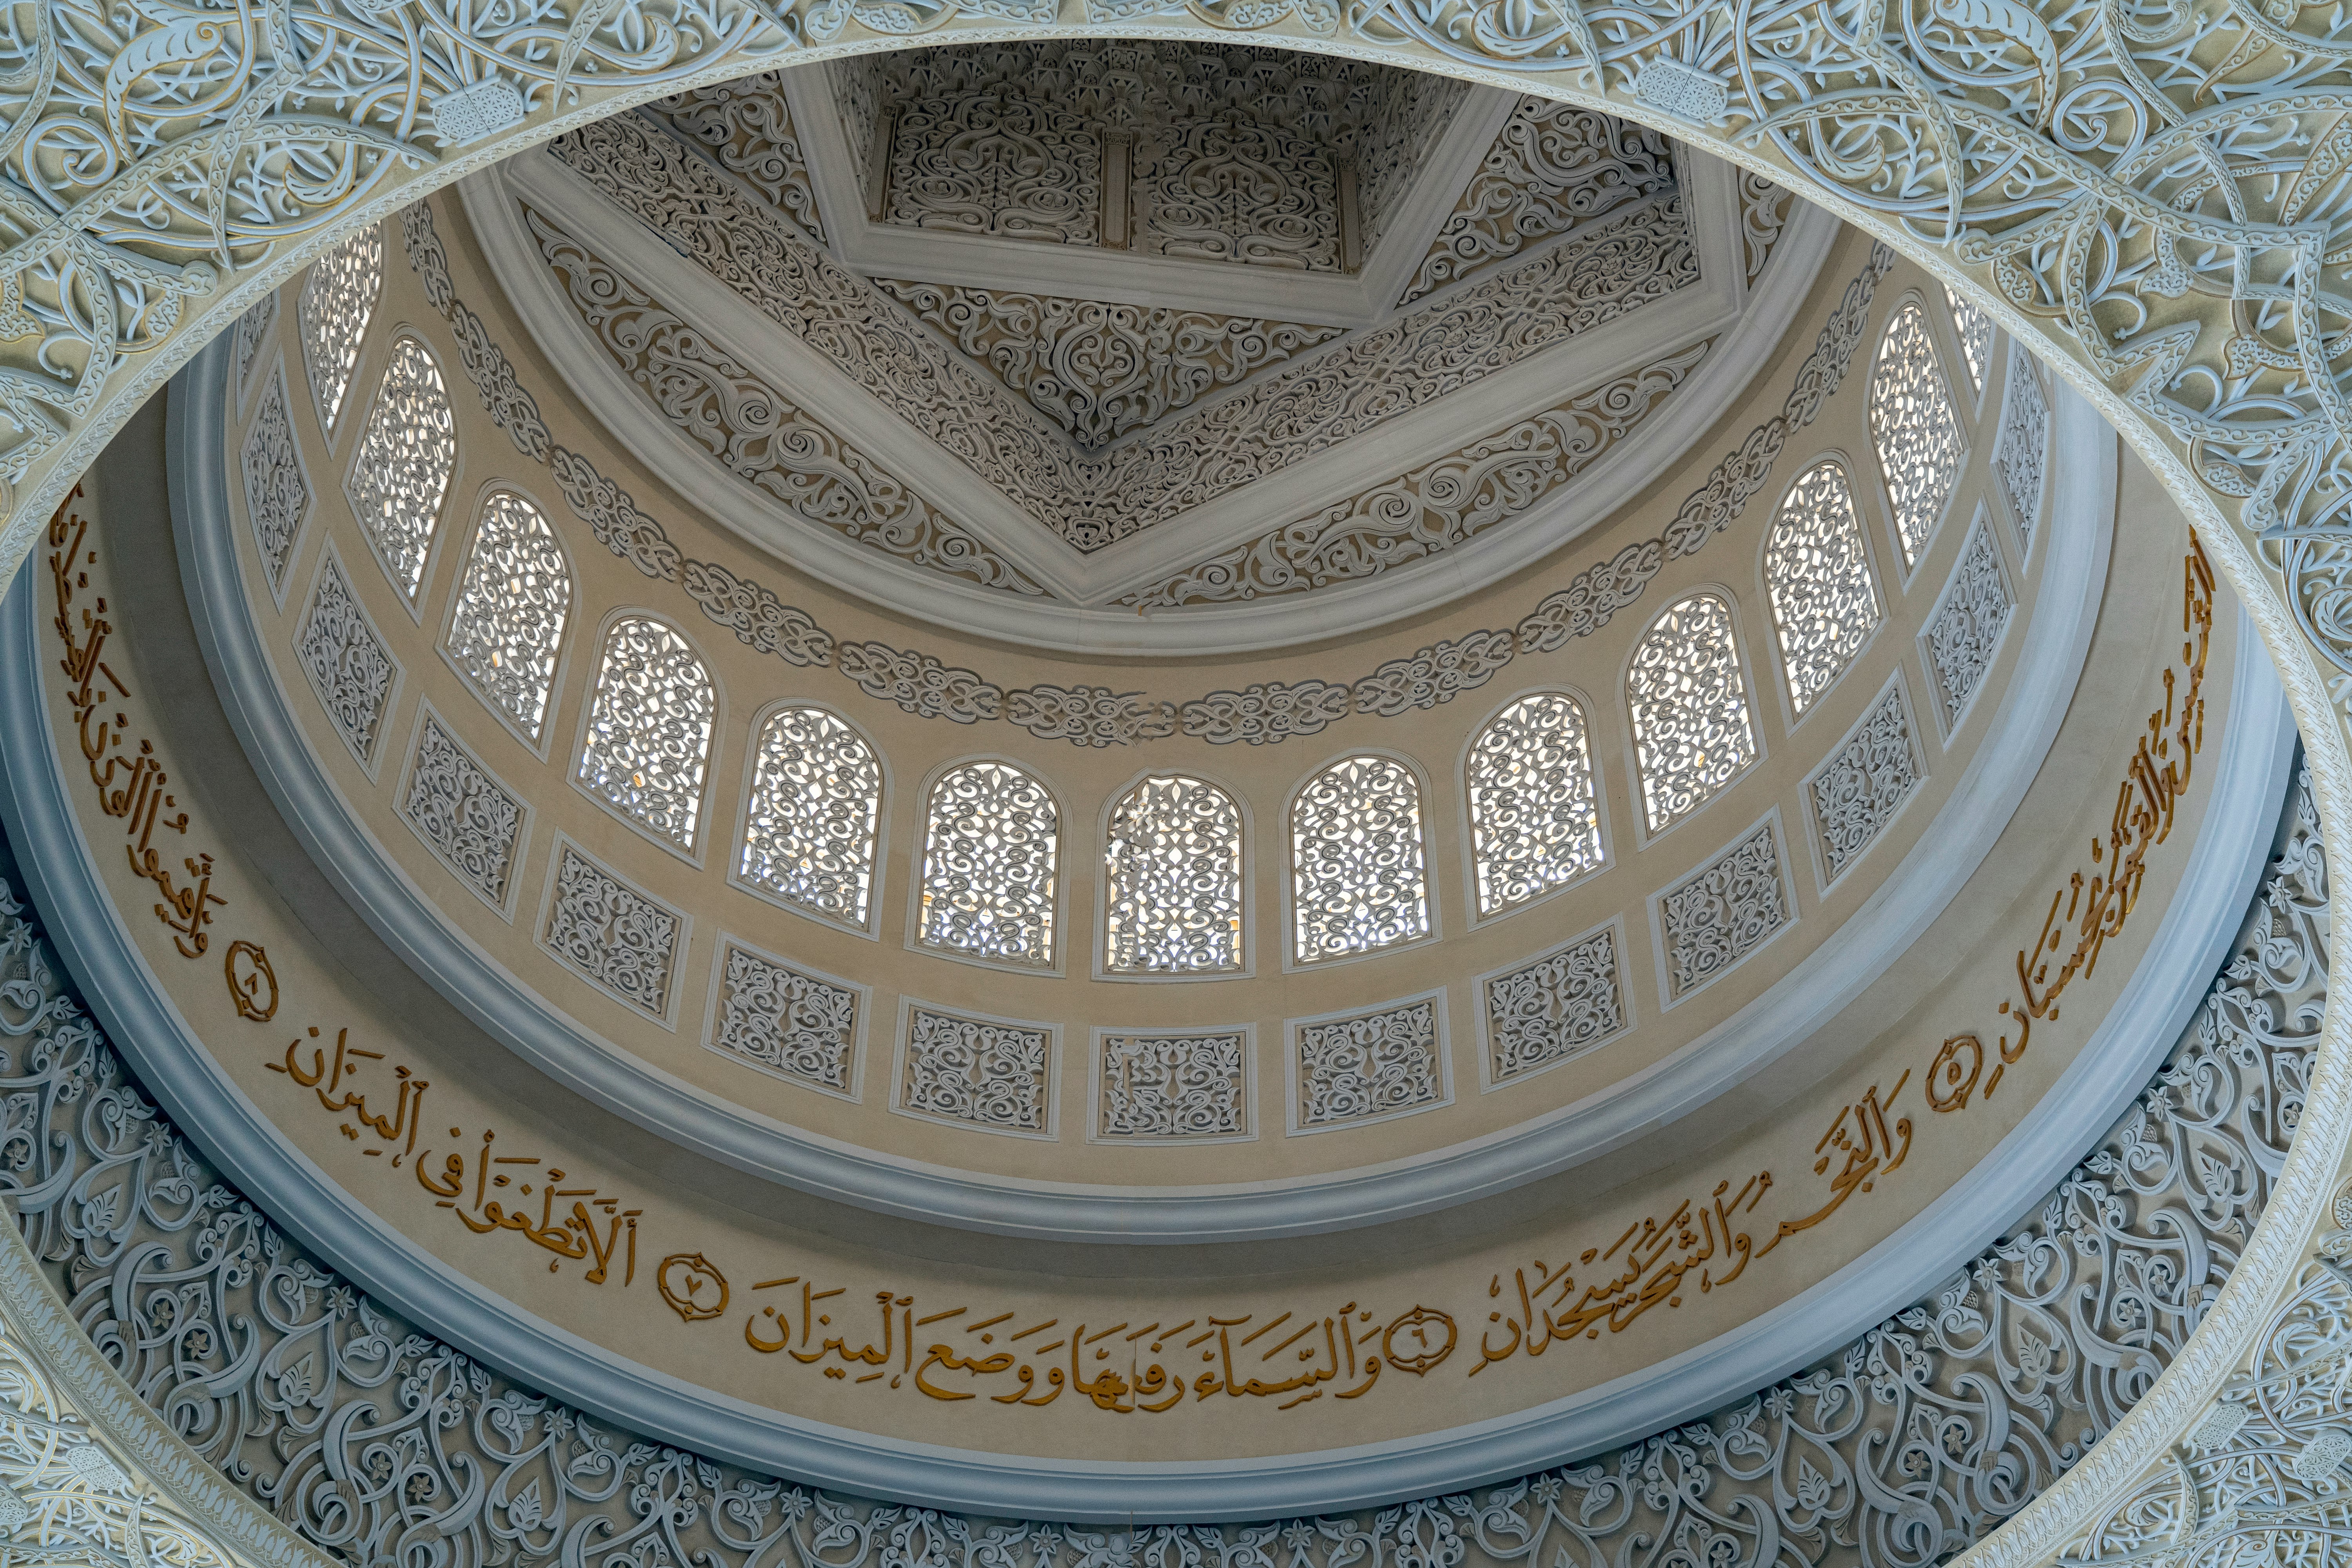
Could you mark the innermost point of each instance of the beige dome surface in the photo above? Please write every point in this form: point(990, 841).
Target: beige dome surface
point(886, 781)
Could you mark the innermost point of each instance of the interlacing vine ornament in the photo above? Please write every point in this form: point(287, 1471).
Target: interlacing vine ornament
point(1552, 167)
point(65, 1500)
point(612, 934)
point(792, 1024)
point(351, 669)
point(1904, 1446)
point(809, 828)
point(647, 742)
point(991, 849)
point(1100, 369)
point(276, 491)
point(992, 1075)
point(1856, 793)
point(1535, 818)
point(2260, 1478)
point(464, 817)
point(1172, 1087)
point(1371, 1068)
point(1173, 879)
point(1725, 910)
point(511, 608)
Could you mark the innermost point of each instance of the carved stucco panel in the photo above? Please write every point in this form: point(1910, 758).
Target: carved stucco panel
point(349, 665)
point(1171, 1086)
point(464, 815)
point(1621, 263)
point(2144, 1233)
point(1724, 911)
point(618, 938)
point(786, 1021)
point(1099, 371)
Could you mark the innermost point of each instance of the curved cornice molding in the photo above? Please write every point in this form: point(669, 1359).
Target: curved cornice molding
point(2246, 1058)
point(1913, 895)
point(1745, 327)
point(174, 1062)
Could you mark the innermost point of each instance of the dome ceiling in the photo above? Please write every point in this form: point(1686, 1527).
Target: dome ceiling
point(1148, 336)
point(780, 951)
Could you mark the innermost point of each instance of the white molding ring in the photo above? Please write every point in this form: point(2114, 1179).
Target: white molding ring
point(1821, 985)
point(2113, 1067)
point(1745, 325)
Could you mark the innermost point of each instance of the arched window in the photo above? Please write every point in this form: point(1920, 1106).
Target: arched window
point(808, 833)
point(1915, 426)
point(1173, 885)
point(1357, 878)
point(1973, 326)
point(1691, 732)
point(402, 469)
point(648, 741)
point(337, 301)
point(991, 842)
point(512, 603)
point(1818, 576)
point(1535, 822)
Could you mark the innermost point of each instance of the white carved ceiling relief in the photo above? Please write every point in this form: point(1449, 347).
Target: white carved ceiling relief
point(747, 126)
point(1764, 210)
point(1097, 370)
point(757, 433)
point(1616, 266)
point(1552, 167)
point(1236, 154)
point(996, 162)
point(1435, 507)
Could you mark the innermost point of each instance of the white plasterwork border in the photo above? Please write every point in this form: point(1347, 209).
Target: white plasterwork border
point(1086, 272)
point(1744, 326)
point(144, 1024)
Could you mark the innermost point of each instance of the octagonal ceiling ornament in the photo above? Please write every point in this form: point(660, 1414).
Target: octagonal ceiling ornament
point(968, 340)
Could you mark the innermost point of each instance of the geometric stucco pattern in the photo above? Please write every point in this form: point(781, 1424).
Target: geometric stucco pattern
point(1260, 714)
point(2195, 152)
point(269, 1361)
point(1625, 259)
point(2156, 191)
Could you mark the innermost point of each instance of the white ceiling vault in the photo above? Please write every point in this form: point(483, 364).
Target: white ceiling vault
point(1145, 347)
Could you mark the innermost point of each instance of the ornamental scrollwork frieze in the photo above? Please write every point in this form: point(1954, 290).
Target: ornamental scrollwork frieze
point(288, 1381)
point(1622, 262)
point(1262, 714)
point(2115, 175)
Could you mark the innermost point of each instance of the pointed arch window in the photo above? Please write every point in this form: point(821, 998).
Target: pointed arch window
point(1173, 878)
point(401, 471)
point(1358, 878)
point(1817, 575)
point(809, 832)
point(1693, 733)
point(512, 603)
point(1915, 426)
point(1972, 324)
point(991, 845)
point(337, 303)
point(1535, 816)
point(647, 746)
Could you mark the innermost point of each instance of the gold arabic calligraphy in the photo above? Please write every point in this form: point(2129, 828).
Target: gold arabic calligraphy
point(573, 1235)
point(129, 785)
